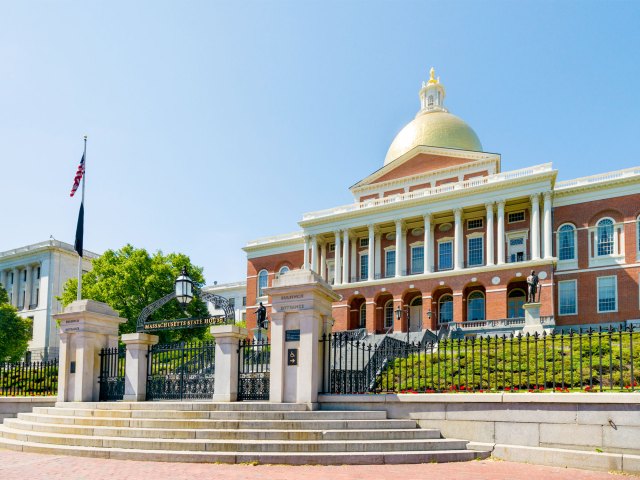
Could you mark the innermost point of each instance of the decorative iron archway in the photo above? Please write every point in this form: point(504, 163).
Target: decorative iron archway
point(219, 303)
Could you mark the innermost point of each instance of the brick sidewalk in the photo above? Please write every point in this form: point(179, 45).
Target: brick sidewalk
point(16, 465)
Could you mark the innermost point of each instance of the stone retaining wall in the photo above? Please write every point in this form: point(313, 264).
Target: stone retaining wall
point(585, 430)
point(11, 406)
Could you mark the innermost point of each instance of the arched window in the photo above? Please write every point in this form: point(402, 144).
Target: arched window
point(284, 269)
point(445, 309)
point(475, 306)
point(566, 242)
point(605, 237)
point(515, 302)
point(430, 101)
point(363, 315)
point(262, 282)
point(388, 314)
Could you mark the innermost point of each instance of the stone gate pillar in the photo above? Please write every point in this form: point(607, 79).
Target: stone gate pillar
point(86, 327)
point(137, 364)
point(227, 343)
point(301, 309)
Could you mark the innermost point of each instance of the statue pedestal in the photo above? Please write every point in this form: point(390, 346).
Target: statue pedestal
point(259, 334)
point(532, 324)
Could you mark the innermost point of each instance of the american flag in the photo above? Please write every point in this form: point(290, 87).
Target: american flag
point(78, 177)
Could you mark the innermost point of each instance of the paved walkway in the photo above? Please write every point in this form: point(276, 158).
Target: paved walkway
point(32, 466)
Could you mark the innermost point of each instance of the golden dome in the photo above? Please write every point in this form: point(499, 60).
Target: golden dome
point(434, 126)
point(434, 129)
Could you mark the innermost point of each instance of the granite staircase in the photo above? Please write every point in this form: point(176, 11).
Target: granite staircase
point(257, 432)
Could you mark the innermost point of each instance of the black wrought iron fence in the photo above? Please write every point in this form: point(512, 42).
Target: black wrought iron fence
point(593, 360)
point(254, 367)
point(112, 370)
point(181, 371)
point(29, 378)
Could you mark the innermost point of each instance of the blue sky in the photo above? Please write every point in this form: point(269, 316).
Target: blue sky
point(213, 123)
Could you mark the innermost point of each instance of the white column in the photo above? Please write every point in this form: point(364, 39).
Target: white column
point(314, 253)
point(428, 251)
point(548, 240)
point(3, 278)
point(378, 255)
point(489, 256)
point(398, 245)
point(459, 245)
point(136, 365)
point(345, 256)
point(27, 289)
point(337, 261)
point(371, 255)
point(535, 227)
point(403, 258)
point(14, 289)
point(323, 261)
point(355, 274)
point(305, 263)
point(227, 337)
point(500, 233)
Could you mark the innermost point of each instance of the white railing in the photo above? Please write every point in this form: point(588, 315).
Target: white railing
point(428, 192)
point(602, 177)
point(501, 323)
point(275, 238)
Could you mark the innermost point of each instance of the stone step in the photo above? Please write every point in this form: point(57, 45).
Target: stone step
point(305, 424)
point(378, 434)
point(216, 415)
point(288, 458)
point(230, 445)
point(186, 406)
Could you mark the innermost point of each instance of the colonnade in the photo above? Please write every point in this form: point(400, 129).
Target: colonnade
point(345, 265)
point(16, 274)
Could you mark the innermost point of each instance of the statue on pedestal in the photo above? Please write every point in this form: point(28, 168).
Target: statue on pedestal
point(532, 287)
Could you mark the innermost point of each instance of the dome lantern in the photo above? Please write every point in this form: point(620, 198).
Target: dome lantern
point(432, 94)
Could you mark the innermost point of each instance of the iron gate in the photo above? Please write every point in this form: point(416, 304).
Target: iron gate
point(253, 369)
point(111, 379)
point(181, 371)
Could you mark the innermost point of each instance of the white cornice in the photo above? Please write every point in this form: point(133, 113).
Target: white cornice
point(474, 186)
point(44, 246)
point(596, 187)
point(444, 152)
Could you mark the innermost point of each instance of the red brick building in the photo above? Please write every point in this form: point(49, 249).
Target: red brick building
point(444, 234)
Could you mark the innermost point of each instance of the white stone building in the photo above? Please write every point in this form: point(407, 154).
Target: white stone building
point(236, 293)
point(34, 276)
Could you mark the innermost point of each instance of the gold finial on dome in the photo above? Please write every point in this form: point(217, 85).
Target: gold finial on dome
point(432, 76)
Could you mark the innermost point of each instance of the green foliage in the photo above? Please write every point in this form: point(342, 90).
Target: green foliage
point(583, 362)
point(129, 279)
point(15, 331)
point(29, 380)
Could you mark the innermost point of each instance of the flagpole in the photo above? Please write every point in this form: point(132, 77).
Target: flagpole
point(84, 175)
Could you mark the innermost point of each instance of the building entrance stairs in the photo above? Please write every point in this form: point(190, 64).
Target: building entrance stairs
point(243, 432)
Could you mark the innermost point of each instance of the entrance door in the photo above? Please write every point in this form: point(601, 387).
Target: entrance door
point(415, 315)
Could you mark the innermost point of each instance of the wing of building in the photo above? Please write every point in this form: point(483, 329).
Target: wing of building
point(34, 276)
point(443, 233)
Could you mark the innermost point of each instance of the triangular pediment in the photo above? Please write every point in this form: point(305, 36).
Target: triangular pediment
point(423, 161)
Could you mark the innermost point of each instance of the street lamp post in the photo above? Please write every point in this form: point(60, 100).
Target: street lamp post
point(399, 312)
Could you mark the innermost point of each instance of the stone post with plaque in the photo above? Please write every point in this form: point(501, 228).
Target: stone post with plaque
point(301, 303)
point(86, 327)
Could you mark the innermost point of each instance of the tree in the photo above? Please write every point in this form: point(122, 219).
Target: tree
point(15, 331)
point(129, 279)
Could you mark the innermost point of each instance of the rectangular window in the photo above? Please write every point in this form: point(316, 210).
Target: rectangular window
point(244, 316)
point(364, 267)
point(475, 251)
point(232, 302)
point(332, 247)
point(607, 294)
point(364, 242)
point(24, 275)
point(516, 217)
point(475, 223)
point(445, 255)
point(244, 301)
point(38, 273)
point(567, 295)
point(390, 263)
point(417, 259)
